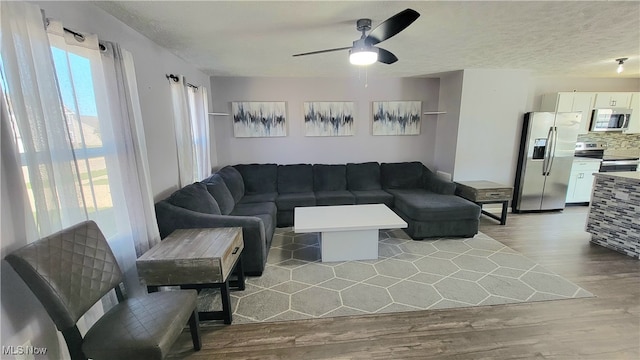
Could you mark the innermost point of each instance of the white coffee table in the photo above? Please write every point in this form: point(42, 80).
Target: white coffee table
point(347, 232)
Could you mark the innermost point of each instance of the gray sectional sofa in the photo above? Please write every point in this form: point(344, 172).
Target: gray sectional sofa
point(261, 197)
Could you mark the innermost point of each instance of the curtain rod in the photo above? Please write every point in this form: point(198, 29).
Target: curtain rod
point(79, 36)
point(176, 79)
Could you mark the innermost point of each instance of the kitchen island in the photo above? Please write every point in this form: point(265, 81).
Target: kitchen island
point(614, 213)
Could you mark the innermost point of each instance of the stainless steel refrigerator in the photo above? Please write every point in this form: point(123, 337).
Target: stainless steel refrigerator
point(545, 158)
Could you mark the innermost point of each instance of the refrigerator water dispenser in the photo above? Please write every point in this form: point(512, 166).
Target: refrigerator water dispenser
point(539, 146)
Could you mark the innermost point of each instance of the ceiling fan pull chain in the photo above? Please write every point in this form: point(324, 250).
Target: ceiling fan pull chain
point(366, 78)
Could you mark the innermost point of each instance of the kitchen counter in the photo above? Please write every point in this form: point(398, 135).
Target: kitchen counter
point(614, 212)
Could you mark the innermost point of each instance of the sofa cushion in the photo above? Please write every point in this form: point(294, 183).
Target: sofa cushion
point(258, 198)
point(373, 197)
point(404, 175)
point(295, 178)
point(285, 218)
point(234, 182)
point(363, 176)
point(290, 201)
point(259, 178)
point(253, 209)
point(343, 197)
point(195, 197)
point(423, 205)
point(219, 190)
point(329, 177)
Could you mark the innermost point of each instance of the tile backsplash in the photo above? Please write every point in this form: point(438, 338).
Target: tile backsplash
point(615, 141)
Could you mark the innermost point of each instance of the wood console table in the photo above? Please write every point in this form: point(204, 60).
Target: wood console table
point(486, 192)
point(196, 259)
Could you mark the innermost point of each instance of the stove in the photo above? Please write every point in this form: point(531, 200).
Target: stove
point(595, 150)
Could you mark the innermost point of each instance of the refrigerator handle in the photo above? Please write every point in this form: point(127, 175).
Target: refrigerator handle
point(547, 152)
point(552, 153)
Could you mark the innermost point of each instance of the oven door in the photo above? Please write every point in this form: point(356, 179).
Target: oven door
point(619, 165)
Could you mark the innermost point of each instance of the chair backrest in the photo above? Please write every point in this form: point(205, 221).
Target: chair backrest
point(68, 271)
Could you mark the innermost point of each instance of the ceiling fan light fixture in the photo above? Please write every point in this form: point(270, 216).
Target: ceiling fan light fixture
point(362, 54)
point(620, 64)
point(363, 57)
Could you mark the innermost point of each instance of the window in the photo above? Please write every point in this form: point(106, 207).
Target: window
point(75, 81)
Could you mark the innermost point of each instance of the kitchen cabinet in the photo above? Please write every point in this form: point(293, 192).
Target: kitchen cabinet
point(612, 100)
point(634, 122)
point(581, 180)
point(571, 102)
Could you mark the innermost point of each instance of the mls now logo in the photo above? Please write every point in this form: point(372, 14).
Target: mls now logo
point(23, 350)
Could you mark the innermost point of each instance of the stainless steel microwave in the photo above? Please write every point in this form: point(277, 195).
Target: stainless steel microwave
point(610, 119)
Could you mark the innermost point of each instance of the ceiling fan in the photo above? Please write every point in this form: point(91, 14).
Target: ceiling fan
point(363, 51)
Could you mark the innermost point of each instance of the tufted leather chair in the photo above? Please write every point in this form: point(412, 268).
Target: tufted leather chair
point(72, 270)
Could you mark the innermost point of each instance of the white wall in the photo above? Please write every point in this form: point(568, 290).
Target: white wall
point(298, 148)
point(450, 100)
point(23, 317)
point(493, 103)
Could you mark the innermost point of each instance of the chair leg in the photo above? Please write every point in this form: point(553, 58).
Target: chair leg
point(74, 343)
point(194, 327)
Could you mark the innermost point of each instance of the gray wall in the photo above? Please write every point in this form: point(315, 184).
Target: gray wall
point(298, 148)
point(23, 318)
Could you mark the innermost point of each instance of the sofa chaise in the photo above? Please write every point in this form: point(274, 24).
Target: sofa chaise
point(261, 197)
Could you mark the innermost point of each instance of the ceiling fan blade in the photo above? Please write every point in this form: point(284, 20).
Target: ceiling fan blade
point(392, 26)
point(323, 51)
point(386, 56)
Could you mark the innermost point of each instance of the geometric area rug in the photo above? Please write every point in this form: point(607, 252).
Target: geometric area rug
point(407, 276)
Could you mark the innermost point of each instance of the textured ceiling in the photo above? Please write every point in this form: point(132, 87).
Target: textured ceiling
point(257, 38)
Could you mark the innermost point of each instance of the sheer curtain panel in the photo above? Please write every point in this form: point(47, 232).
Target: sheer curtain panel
point(40, 179)
point(183, 130)
point(199, 116)
point(93, 128)
point(37, 119)
point(131, 147)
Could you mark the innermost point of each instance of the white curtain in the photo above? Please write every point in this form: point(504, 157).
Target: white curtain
point(183, 130)
point(72, 140)
point(191, 121)
point(199, 117)
point(40, 130)
point(38, 160)
point(131, 149)
point(71, 128)
point(98, 133)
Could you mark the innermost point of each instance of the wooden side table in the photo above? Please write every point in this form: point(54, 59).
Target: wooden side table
point(196, 259)
point(486, 192)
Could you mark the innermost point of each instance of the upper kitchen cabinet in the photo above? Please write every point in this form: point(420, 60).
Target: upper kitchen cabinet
point(612, 100)
point(571, 102)
point(634, 122)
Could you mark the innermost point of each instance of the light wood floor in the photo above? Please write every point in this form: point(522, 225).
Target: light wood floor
point(604, 327)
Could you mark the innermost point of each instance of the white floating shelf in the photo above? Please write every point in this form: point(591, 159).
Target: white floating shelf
point(434, 112)
point(218, 114)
